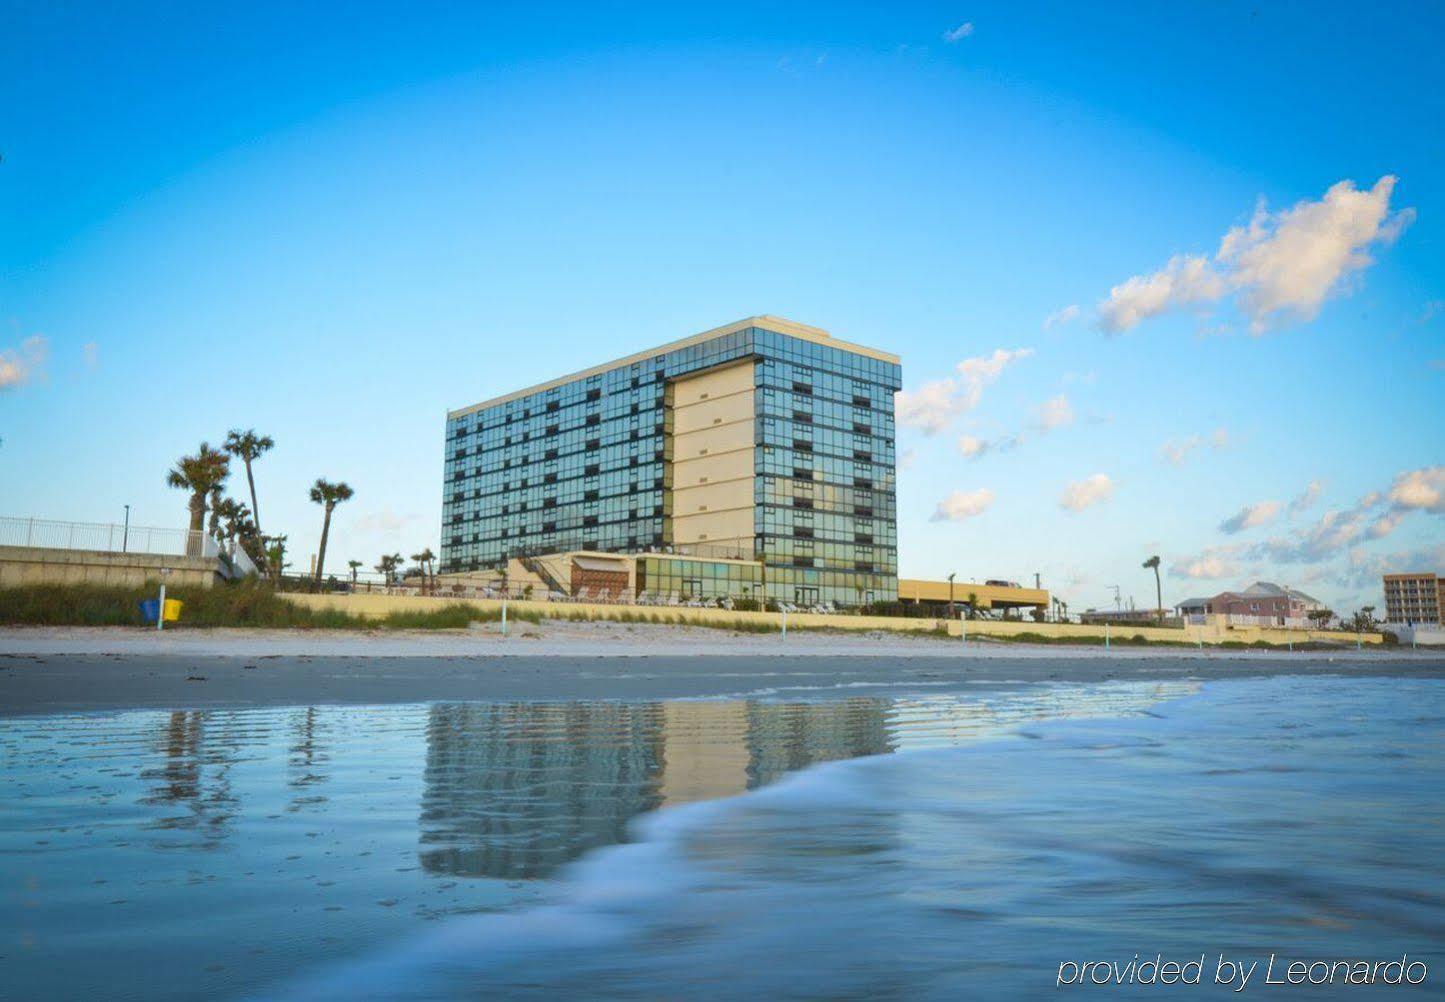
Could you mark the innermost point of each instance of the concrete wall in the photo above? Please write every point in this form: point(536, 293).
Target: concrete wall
point(23, 566)
point(379, 606)
point(1211, 633)
point(1429, 634)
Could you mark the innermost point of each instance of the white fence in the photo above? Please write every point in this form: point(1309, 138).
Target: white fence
point(105, 537)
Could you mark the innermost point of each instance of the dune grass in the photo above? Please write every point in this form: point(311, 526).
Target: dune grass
point(243, 604)
point(253, 604)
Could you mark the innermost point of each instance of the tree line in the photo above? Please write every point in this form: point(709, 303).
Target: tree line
point(204, 476)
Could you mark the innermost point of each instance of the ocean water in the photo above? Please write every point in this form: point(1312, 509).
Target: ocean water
point(939, 843)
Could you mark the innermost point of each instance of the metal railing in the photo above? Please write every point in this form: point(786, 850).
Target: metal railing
point(105, 537)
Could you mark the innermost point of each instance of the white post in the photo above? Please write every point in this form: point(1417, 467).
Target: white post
point(785, 622)
point(1106, 634)
point(161, 608)
point(504, 617)
point(963, 626)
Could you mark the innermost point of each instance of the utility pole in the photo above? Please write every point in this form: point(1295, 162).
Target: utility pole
point(950, 595)
point(125, 535)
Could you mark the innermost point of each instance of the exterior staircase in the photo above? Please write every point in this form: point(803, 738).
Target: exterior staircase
point(547, 572)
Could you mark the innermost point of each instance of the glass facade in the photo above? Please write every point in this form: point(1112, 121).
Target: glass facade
point(580, 466)
point(682, 578)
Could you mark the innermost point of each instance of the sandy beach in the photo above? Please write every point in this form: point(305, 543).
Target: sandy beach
point(46, 670)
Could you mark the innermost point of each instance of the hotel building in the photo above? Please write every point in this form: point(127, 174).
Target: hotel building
point(1414, 598)
point(754, 460)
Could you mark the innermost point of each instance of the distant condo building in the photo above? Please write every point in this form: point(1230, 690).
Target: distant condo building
point(754, 460)
point(1414, 598)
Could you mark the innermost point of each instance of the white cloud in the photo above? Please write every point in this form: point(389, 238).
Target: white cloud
point(1420, 490)
point(90, 354)
point(930, 407)
point(1214, 563)
point(385, 522)
point(1176, 452)
point(1364, 569)
point(20, 365)
point(1291, 261)
point(976, 373)
point(1184, 280)
point(1087, 492)
point(935, 404)
point(1051, 414)
point(971, 447)
point(963, 504)
point(1307, 498)
point(1059, 318)
point(1251, 516)
point(1282, 265)
point(906, 459)
point(1334, 532)
point(1055, 413)
point(958, 34)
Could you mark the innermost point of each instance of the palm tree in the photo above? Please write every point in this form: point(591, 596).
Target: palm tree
point(247, 446)
point(200, 474)
point(387, 567)
point(329, 495)
point(1153, 563)
point(275, 549)
point(425, 560)
point(355, 565)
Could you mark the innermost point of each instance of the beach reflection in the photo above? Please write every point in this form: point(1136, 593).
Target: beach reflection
point(516, 790)
point(255, 843)
point(190, 783)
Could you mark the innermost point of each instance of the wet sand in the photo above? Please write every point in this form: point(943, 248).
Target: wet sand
point(70, 669)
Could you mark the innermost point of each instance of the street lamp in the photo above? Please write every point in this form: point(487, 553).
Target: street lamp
point(125, 534)
point(950, 595)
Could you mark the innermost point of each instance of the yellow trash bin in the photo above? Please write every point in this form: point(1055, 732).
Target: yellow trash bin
point(173, 609)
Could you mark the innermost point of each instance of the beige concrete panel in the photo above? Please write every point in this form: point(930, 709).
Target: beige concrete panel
point(722, 438)
point(721, 496)
point(730, 409)
point(713, 526)
point(713, 468)
point(711, 384)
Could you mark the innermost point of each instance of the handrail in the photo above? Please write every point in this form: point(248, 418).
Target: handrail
point(105, 537)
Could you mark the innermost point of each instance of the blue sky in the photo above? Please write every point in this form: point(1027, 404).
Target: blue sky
point(333, 225)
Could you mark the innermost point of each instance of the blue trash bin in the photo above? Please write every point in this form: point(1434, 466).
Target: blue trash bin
point(149, 609)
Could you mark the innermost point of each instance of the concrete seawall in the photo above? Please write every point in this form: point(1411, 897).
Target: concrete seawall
point(30, 566)
point(372, 606)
